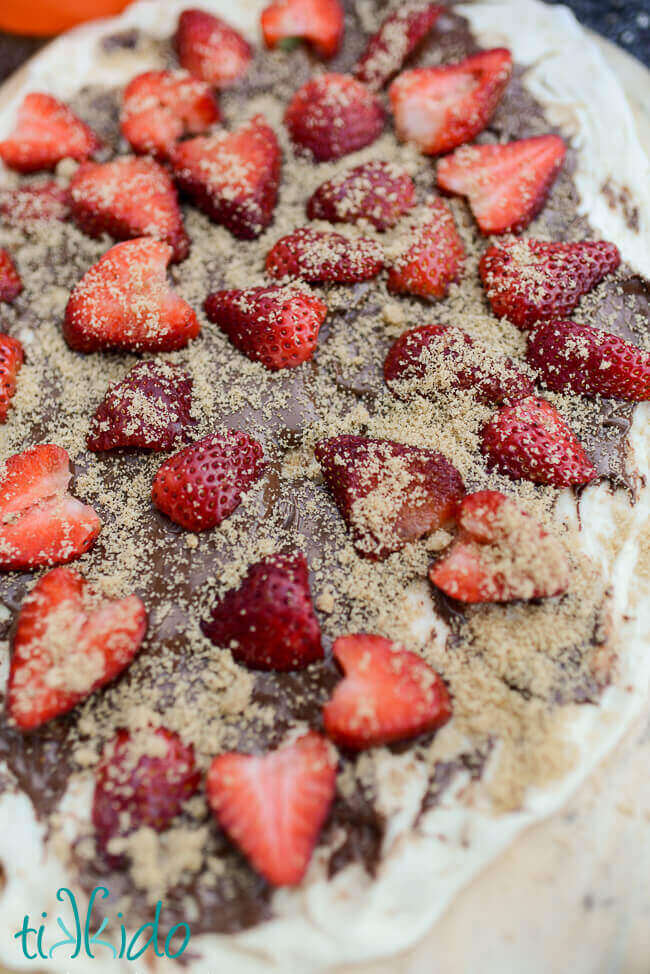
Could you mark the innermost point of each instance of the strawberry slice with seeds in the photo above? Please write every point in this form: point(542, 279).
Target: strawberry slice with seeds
point(379, 192)
point(429, 255)
point(29, 204)
point(388, 493)
point(399, 36)
point(506, 185)
point(128, 198)
point(273, 806)
point(159, 107)
point(211, 49)
point(318, 256)
point(233, 177)
point(148, 409)
point(388, 694)
point(269, 621)
point(277, 326)
point(46, 132)
point(67, 645)
point(441, 108)
point(500, 554)
point(10, 282)
point(124, 302)
point(333, 115)
point(320, 22)
point(432, 359)
point(531, 441)
point(203, 483)
point(535, 280)
point(11, 359)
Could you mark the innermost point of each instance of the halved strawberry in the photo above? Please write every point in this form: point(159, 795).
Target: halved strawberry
point(203, 483)
point(388, 694)
point(11, 359)
point(10, 282)
point(320, 22)
point(148, 409)
point(320, 255)
point(586, 360)
point(68, 644)
point(332, 115)
point(268, 621)
point(46, 132)
point(36, 201)
point(40, 522)
point(124, 302)
point(437, 358)
point(232, 176)
point(500, 554)
point(388, 493)
point(379, 192)
point(506, 185)
point(400, 34)
point(128, 197)
point(211, 49)
point(277, 326)
point(273, 806)
point(441, 108)
point(161, 106)
point(531, 441)
point(429, 255)
point(536, 280)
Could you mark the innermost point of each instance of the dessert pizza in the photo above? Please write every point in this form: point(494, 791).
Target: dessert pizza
point(324, 372)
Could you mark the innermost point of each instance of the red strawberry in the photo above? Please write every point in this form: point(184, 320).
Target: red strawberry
point(203, 483)
point(124, 302)
point(148, 409)
point(10, 282)
point(435, 358)
point(40, 522)
point(277, 326)
point(500, 554)
point(531, 441)
point(582, 359)
point(211, 49)
point(388, 493)
point(67, 645)
point(36, 201)
point(506, 185)
point(128, 198)
point(379, 192)
point(269, 621)
point(332, 115)
point(46, 132)
point(320, 22)
point(273, 806)
point(318, 255)
point(533, 280)
point(400, 34)
point(233, 177)
point(388, 694)
point(429, 255)
point(441, 108)
point(11, 359)
point(161, 106)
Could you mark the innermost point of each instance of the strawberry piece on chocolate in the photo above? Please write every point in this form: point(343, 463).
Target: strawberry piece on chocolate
point(319, 22)
point(46, 132)
point(377, 192)
point(429, 255)
point(11, 359)
point(10, 281)
point(211, 49)
point(318, 256)
point(399, 36)
point(35, 202)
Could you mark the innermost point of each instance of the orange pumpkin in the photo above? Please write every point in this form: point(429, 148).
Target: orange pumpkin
point(47, 17)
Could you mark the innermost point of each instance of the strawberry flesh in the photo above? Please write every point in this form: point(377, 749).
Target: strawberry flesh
point(11, 359)
point(377, 192)
point(399, 36)
point(211, 49)
point(10, 283)
point(332, 115)
point(46, 132)
point(429, 255)
point(319, 22)
point(25, 205)
point(318, 256)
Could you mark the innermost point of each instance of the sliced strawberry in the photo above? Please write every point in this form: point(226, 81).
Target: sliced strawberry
point(211, 49)
point(148, 409)
point(269, 621)
point(67, 645)
point(332, 115)
point(318, 255)
point(320, 22)
point(124, 302)
point(11, 359)
point(388, 493)
point(277, 326)
point(128, 198)
point(36, 201)
point(159, 107)
point(399, 36)
point(432, 359)
point(46, 132)
point(531, 441)
point(429, 255)
point(203, 483)
point(233, 177)
point(506, 185)
point(535, 280)
point(10, 283)
point(274, 805)
point(379, 192)
point(388, 694)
